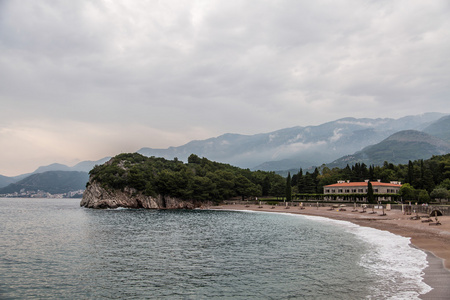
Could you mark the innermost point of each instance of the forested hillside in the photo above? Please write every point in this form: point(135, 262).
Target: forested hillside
point(427, 177)
point(199, 179)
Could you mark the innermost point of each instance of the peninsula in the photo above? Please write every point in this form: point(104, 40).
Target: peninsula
point(135, 181)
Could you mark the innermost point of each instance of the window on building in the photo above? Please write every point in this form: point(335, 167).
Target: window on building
point(339, 190)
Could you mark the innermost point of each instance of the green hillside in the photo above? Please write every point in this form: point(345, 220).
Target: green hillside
point(399, 148)
point(440, 129)
point(199, 179)
point(53, 182)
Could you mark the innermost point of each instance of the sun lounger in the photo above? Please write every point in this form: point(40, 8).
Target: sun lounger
point(436, 223)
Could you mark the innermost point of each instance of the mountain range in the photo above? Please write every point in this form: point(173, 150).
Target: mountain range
point(302, 147)
point(84, 166)
point(336, 143)
point(53, 182)
point(399, 148)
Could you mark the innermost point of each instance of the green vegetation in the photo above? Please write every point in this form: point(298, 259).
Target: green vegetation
point(288, 188)
point(202, 179)
point(199, 179)
point(370, 196)
point(423, 180)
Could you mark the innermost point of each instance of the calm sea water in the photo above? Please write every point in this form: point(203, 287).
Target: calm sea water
point(53, 249)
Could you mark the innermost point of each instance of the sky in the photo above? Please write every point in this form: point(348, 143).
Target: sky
point(81, 80)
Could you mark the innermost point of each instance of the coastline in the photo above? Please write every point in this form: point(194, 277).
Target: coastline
point(433, 240)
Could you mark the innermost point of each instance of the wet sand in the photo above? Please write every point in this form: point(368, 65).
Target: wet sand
point(434, 240)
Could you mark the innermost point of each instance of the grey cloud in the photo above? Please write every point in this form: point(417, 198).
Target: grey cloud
point(179, 65)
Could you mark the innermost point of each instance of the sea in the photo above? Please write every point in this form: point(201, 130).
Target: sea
point(54, 249)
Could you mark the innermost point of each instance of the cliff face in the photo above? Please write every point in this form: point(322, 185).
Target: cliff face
point(96, 196)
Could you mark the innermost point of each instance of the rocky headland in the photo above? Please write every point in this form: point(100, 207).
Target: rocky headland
point(132, 180)
point(95, 196)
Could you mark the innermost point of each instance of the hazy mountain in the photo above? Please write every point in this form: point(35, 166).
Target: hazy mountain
point(4, 181)
point(52, 167)
point(399, 148)
point(53, 182)
point(84, 166)
point(289, 148)
point(296, 146)
point(440, 128)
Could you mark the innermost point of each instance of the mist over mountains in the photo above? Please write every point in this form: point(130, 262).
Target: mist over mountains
point(337, 143)
point(297, 147)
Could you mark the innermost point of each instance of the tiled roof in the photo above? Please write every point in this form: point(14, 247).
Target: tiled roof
point(362, 184)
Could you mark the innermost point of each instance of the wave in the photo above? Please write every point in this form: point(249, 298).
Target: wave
point(399, 267)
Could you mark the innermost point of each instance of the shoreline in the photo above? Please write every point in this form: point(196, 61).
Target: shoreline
point(433, 240)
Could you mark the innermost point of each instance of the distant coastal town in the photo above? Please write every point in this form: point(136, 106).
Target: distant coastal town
point(42, 194)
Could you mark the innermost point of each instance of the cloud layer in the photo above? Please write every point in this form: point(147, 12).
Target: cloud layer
point(86, 79)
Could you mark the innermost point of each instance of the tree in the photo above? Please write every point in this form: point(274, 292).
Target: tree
point(427, 180)
point(444, 184)
point(407, 192)
point(440, 193)
point(309, 187)
point(423, 196)
point(194, 159)
point(266, 186)
point(244, 187)
point(277, 188)
point(410, 176)
point(300, 181)
point(288, 188)
point(370, 196)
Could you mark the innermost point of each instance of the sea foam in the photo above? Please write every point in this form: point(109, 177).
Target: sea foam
point(398, 266)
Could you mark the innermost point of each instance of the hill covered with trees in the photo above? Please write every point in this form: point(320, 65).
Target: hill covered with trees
point(203, 180)
point(199, 179)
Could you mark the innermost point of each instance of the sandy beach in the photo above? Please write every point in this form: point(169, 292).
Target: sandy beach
point(434, 240)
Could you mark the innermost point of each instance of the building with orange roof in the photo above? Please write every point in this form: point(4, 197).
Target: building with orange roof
point(346, 188)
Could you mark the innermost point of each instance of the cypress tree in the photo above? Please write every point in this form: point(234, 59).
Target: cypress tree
point(300, 181)
point(370, 197)
point(410, 176)
point(288, 188)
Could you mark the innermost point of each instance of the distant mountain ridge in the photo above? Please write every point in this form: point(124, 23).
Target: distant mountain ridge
point(440, 128)
point(346, 140)
point(53, 182)
point(84, 166)
point(398, 148)
point(296, 146)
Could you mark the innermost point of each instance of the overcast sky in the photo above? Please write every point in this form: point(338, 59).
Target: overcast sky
point(81, 80)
